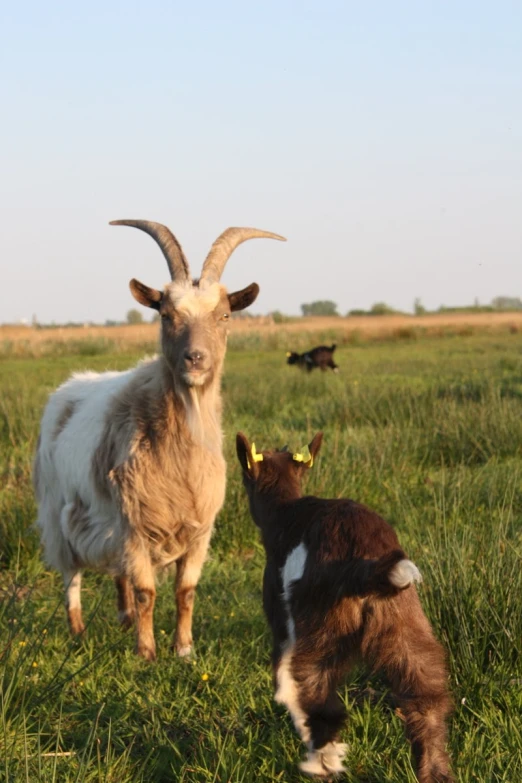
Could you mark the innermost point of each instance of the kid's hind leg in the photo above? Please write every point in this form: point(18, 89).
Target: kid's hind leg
point(308, 691)
point(417, 672)
point(73, 605)
point(126, 603)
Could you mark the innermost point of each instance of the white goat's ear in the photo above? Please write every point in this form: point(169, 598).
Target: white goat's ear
point(149, 297)
point(244, 298)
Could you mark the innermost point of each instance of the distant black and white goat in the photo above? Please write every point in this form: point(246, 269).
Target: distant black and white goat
point(338, 588)
point(321, 356)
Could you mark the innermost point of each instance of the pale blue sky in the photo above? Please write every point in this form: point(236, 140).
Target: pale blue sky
point(384, 139)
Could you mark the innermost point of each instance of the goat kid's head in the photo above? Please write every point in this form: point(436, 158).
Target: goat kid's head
point(274, 475)
point(194, 313)
point(292, 357)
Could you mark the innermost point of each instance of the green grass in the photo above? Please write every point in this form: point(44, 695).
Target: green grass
point(427, 432)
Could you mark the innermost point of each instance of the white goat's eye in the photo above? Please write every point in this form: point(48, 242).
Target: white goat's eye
point(225, 316)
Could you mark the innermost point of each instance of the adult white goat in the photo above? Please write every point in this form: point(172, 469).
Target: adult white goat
point(129, 472)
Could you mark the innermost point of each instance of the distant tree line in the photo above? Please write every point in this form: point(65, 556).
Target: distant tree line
point(321, 307)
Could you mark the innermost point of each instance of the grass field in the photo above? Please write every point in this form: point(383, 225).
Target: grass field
point(428, 432)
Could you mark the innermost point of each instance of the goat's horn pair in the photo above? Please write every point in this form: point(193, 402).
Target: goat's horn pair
point(218, 255)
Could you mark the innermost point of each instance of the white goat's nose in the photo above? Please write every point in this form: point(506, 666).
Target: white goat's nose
point(194, 358)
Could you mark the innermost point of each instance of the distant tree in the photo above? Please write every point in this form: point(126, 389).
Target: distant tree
point(507, 303)
point(278, 317)
point(134, 317)
point(381, 308)
point(322, 307)
point(418, 307)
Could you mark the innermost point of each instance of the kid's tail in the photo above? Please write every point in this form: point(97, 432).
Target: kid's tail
point(384, 575)
point(392, 571)
point(404, 574)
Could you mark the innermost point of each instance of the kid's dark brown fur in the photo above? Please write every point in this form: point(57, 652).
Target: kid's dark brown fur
point(337, 589)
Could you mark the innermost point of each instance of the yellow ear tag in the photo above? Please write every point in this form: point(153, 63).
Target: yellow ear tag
point(255, 457)
point(304, 456)
point(288, 353)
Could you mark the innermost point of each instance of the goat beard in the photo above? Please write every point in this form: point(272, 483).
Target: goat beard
point(203, 420)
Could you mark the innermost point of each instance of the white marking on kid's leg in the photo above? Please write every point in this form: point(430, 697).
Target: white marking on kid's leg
point(185, 651)
point(287, 693)
point(404, 573)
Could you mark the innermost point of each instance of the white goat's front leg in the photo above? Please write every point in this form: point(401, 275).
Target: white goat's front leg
point(187, 576)
point(141, 575)
point(73, 603)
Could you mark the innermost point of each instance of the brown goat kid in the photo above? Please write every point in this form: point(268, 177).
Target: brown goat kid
point(338, 588)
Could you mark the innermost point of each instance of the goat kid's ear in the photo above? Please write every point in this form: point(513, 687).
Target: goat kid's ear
point(149, 297)
point(306, 457)
point(244, 298)
point(244, 452)
point(315, 444)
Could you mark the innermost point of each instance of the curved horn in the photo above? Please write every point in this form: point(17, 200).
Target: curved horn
point(170, 247)
point(225, 245)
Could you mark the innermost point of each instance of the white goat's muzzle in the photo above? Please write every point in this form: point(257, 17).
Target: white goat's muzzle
point(195, 377)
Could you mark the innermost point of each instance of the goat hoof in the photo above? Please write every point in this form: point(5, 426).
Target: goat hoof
point(148, 653)
point(315, 770)
point(325, 763)
point(126, 620)
point(76, 625)
point(184, 650)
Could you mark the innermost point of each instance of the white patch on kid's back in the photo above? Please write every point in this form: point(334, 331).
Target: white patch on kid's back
point(291, 572)
point(404, 573)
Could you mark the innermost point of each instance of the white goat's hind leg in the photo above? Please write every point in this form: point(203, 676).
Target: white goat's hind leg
point(187, 576)
point(126, 603)
point(73, 604)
